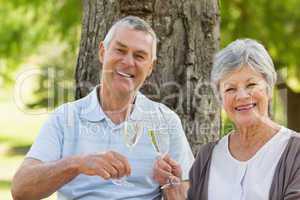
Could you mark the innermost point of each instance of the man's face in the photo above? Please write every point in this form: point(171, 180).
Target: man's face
point(127, 61)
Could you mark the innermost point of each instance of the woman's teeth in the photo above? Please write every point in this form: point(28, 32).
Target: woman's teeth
point(245, 107)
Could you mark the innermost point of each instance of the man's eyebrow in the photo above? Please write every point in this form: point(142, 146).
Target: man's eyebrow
point(121, 44)
point(124, 46)
point(142, 52)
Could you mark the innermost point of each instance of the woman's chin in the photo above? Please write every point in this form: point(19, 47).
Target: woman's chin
point(246, 121)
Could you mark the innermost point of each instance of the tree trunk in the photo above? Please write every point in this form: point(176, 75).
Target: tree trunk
point(293, 110)
point(189, 35)
point(290, 103)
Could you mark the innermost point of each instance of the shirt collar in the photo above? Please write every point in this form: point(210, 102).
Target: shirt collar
point(92, 110)
point(143, 109)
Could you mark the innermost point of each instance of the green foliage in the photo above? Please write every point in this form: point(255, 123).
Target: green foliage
point(28, 24)
point(227, 125)
point(56, 78)
point(274, 23)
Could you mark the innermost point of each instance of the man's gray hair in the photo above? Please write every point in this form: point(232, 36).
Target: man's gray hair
point(239, 53)
point(135, 23)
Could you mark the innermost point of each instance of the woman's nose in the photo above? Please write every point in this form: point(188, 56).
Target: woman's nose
point(242, 93)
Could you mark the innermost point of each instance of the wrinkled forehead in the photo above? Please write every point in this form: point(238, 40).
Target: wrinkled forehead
point(130, 34)
point(241, 75)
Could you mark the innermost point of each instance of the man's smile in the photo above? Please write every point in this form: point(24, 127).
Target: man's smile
point(126, 75)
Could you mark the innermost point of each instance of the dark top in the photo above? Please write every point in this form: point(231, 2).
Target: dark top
point(285, 184)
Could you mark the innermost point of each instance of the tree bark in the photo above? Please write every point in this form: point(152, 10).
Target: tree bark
point(189, 36)
point(290, 103)
point(293, 110)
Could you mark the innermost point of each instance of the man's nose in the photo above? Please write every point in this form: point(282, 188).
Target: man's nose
point(128, 59)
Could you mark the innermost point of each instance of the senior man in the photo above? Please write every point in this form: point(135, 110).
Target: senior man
point(80, 151)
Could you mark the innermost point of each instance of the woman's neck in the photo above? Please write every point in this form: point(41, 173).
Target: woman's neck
point(259, 132)
point(247, 140)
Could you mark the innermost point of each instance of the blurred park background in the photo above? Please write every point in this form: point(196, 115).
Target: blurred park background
point(39, 42)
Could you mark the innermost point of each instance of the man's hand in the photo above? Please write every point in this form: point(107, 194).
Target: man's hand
point(37, 180)
point(106, 165)
point(168, 171)
point(166, 168)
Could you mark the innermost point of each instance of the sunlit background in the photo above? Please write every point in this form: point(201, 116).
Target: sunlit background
point(39, 41)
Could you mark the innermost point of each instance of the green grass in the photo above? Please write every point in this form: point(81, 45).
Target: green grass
point(4, 189)
point(8, 167)
point(18, 129)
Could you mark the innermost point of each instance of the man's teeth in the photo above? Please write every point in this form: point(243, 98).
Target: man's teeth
point(125, 75)
point(245, 107)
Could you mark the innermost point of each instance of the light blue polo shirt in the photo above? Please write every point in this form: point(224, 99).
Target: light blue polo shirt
point(81, 127)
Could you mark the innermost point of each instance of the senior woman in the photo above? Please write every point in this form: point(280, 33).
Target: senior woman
point(260, 159)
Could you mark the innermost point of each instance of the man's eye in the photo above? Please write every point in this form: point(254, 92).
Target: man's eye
point(120, 50)
point(140, 57)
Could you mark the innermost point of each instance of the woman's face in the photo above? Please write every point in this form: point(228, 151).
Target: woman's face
point(244, 96)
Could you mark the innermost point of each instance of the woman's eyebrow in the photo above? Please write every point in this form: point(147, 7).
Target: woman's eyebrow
point(228, 84)
point(251, 79)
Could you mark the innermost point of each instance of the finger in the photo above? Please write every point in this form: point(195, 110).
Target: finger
point(163, 165)
point(119, 166)
point(124, 161)
point(160, 171)
point(103, 165)
point(103, 173)
point(161, 176)
point(112, 164)
point(112, 170)
point(119, 162)
point(171, 161)
point(176, 168)
point(93, 163)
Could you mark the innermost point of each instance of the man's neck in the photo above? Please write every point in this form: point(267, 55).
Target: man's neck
point(117, 108)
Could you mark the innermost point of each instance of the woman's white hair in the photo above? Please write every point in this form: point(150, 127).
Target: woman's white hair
point(239, 53)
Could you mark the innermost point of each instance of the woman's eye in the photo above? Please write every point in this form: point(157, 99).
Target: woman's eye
point(251, 84)
point(229, 89)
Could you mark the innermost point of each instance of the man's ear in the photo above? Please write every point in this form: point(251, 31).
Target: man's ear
point(101, 51)
point(151, 68)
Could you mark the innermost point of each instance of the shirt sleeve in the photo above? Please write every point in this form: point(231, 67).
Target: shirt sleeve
point(293, 190)
point(48, 145)
point(292, 171)
point(179, 149)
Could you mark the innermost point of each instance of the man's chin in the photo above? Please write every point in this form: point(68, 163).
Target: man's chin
point(124, 90)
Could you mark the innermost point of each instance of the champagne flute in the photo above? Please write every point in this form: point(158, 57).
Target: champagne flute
point(160, 140)
point(133, 129)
